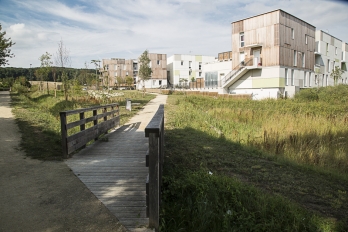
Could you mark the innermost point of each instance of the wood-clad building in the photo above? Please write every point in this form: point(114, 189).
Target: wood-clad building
point(276, 35)
point(158, 66)
point(275, 52)
point(117, 69)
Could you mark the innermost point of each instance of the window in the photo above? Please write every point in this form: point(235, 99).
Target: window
point(295, 58)
point(327, 48)
point(328, 66)
point(305, 79)
point(115, 66)
point(158, 62)
point(200, 66)
point(241, 38)
point(190, 64)
point(335, 50)
point(306, 39)
point(303, 60)
point(316, 79)
point(309, 79)
point(327, 80)
point(115, 74)
point(182, 62)
point(127, 74)
point(286, 77)
point(153, 82)
point(160, 82)
point(200, 74)
point(292, 33)
point(292, 77)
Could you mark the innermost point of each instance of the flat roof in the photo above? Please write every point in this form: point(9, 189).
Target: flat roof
point(330, 35)
point(271, 12)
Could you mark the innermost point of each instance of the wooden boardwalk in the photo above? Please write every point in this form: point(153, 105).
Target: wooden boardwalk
point(115, 172)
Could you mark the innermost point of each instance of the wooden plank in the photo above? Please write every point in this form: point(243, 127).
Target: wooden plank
point(90, 119)
point(70, 112)
point(153, 181)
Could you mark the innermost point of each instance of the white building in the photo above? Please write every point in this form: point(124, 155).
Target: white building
point(182, 69)
point(330, 52)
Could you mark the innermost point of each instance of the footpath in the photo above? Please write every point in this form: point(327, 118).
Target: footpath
point(46, 196)
point(114, 169)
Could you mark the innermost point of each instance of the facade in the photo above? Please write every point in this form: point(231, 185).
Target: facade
point(213, 72)
point(116, 70)
point(271, 55)
point(183, 69)
point(330, 52)
point(158, 64)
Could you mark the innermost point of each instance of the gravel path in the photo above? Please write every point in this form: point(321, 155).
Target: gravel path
point(43, 196)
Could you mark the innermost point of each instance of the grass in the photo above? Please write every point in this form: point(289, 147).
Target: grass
point(37, 115)
point(276, 165)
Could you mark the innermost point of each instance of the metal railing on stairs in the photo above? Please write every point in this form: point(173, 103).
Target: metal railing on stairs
point(236, 70)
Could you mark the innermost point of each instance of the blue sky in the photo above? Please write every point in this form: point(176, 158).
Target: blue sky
point(124, 29)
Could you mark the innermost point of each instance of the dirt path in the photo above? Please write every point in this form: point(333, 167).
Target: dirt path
point(43, 196)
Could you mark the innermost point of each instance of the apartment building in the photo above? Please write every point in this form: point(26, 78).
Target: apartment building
point(158, 64)
point(183, 69)
point(271, 54)
point(330, 52)
point(116, 70)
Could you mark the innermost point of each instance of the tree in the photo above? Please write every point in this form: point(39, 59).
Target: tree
point(119, 81)
point(45, 68)
point(144, 70)
point(62, 59)
point(129, 81)
point(5, 51)
point(336, 74)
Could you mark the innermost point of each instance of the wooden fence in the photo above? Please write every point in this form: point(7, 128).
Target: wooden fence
point(154, 160)
point(101, 123)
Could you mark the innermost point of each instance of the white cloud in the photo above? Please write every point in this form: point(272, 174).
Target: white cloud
point(124, 29)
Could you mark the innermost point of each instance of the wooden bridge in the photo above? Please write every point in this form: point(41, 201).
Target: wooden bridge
point(115, 171)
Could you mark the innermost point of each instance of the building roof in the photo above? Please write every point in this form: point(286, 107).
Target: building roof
point(330, 35)
point(271, 12)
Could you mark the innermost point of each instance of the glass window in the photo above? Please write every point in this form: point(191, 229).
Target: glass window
point(292, 33)
point(241, 36)
point(292, 77)
point(305, 79)
point(286, 77)
point(295, 58)
point(303, 59)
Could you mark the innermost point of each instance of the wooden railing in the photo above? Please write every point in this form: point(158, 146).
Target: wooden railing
point(154, 160)
point(109, 119)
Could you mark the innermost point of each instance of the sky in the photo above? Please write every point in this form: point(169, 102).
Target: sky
point(100, 29)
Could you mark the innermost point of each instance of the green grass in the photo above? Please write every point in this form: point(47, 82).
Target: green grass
point(37, 115)
point(267, 188)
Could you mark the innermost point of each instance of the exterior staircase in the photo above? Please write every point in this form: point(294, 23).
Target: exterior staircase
point(239, 71)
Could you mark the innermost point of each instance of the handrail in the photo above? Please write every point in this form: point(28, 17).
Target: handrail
point(75, 141)
point(154, 160)
point(235, 70)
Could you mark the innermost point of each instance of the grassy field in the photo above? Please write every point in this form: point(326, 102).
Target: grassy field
point(242, 165)
point(37, 115)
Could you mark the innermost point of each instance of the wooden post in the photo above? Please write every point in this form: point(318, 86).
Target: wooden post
point(83, 126)
point(64, 134)
point(153, 181)
point(95, 122)
point(106, 117)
